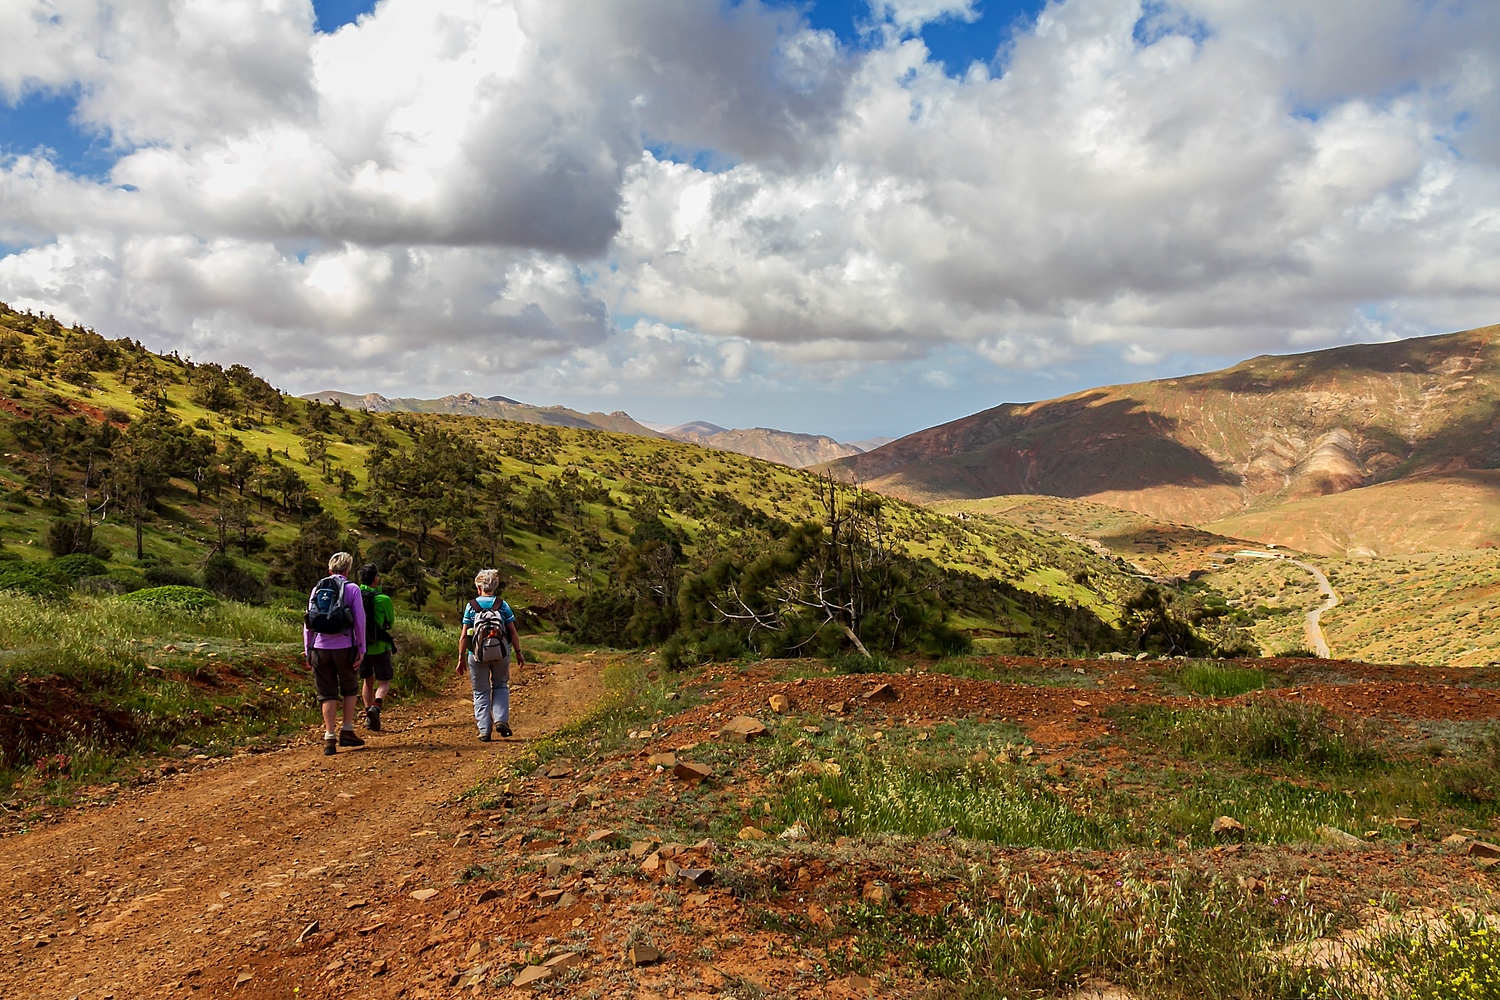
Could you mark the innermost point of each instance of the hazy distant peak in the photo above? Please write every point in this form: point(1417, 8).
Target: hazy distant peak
point(697, 427)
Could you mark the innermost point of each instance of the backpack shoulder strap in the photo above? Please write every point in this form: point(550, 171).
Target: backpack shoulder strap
point(474, 603)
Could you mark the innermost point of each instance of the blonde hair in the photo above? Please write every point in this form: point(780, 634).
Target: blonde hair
point(340, 564)
point(487, 581)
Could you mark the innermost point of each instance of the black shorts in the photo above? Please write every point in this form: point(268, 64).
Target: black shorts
point(378, 666)
point(333, 673)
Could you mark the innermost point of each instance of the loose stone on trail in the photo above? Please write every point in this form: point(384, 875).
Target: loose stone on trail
point(686, 770)
point(644, 954)
point(1227, 828)
point(532, 974)
point(743, 729)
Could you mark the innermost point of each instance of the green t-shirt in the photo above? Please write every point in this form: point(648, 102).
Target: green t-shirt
point(382, 613)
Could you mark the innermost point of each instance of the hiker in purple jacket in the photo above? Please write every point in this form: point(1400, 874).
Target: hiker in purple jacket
point(335, 656)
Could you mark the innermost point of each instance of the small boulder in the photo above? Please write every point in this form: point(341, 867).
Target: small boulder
point(1227, 828)
point(686, 770)
point(1480, 849)
point(743, 729)
point(667, 760)
point(423, 895)
point(876, 893)
point(701, 877)
point(643, 954)
point(780, 704)
point(1334, 837)
point(753, 833)
point(562, 963)
point(797, 831)
point(1407, 825)
point(881, 692)
point(532, 974)
point(1455, 840)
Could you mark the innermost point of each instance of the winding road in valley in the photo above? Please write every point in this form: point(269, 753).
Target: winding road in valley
point(1316, 640)
point(1315, 637)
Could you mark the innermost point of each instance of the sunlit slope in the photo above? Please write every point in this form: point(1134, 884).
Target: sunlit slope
point(573, 496)
point(1206, 447)
point(1437, 513)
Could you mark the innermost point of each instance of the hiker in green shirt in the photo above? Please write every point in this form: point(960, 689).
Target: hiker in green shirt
point(377, 670)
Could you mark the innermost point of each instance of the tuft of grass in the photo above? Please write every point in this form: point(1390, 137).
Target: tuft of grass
point(860, 795)
point(1265, 732)
point(1185, 936)
point(1220, 681)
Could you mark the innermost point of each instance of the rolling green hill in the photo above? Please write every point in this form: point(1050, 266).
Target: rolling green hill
point(1202, 448)
point(173, 472)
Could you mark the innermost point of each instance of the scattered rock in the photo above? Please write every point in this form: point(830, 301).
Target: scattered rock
point(1082, 704)
point(423, 895)
point(860, 984)
point(1227, 828)
point(797, 831)
point(686, 770)
point(876, 893)
point(819, 918)
point(1455, 840)
point(1334, 837)
point(643, 954)
point(836, 708)
point(562, 963)
point(667, 760)
point(243, 978)
point(881, 692)
point(743, 729)
point(1480, 849)
point(559, 771)
point(944, 833)
point(307, 932)
point(1406, 824)
point(566, 900)
point(752, 833)
point(532, 974)
point(549, 895)
point(701, 877)
point(557, 866)
point(652, 863)
point(489, 896)
point(641, 848)
point(600, 835)
point(475, 950)
point(780, 704)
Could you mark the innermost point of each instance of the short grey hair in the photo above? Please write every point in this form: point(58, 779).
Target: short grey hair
point(487, 581)
point(340, 564)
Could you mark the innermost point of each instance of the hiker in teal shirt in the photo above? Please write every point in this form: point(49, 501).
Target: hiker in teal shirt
point(378, 669)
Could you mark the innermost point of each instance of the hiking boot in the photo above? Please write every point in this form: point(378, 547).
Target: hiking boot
point(504, 730)
point(330, 746)
point(484, 737)
point(348, 739)
point(372, 718)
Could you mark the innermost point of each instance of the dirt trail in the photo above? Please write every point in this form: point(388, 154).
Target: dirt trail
point(209, 877)
point(1315, 636)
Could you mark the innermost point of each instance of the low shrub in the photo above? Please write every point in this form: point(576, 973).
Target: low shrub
point(1268, 731)
point(1219, 681)
point(187, 598)
point(77, 565)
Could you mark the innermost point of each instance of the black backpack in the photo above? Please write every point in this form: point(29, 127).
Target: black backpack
point(367, 597)
point(489, 640)
point(327, 610)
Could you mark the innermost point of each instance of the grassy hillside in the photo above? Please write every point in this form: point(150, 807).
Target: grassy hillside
point(273, 483)
point(1205, 447)
point(498, 407)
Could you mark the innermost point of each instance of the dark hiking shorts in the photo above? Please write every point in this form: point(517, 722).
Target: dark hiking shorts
point(378, 666)
point(333, 673)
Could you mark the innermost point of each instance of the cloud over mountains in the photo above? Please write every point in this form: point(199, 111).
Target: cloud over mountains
point(701, 197)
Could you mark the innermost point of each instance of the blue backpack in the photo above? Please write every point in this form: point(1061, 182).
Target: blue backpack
point(327, 611)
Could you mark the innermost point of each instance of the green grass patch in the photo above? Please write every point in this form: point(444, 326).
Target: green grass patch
point(1218, 681)
point(1269, 732)
point(1186, 936)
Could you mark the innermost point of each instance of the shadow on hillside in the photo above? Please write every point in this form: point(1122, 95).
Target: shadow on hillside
point(1077, 447)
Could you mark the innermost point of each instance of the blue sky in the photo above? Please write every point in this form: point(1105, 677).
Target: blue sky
point(853, 241)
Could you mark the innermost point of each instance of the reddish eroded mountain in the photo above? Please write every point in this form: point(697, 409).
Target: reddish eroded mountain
point(1203, 447)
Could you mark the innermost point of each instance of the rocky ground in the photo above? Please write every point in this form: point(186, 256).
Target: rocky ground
point(643, 864)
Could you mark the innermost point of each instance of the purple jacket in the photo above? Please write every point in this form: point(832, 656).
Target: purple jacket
point(341, 640)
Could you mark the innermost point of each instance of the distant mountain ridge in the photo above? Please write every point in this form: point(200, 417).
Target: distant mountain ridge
point(496, 407)
point(782, 447)
point(1196, 449)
